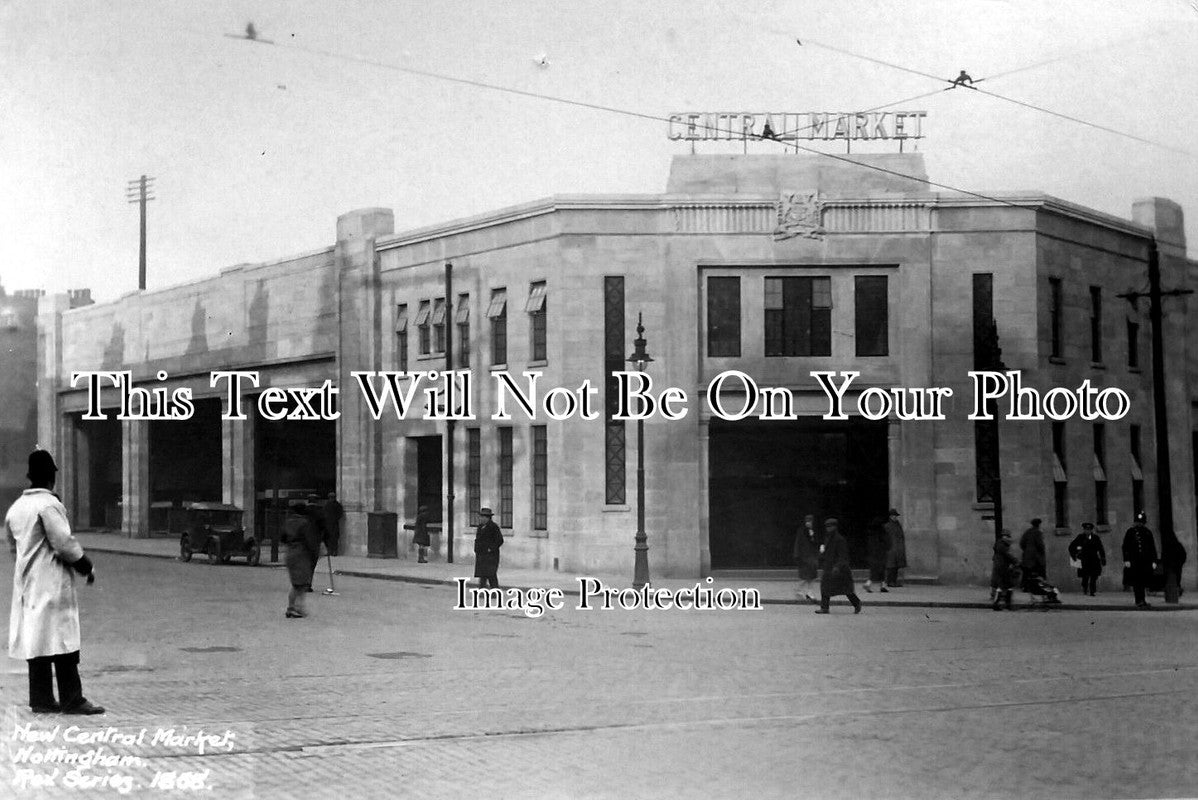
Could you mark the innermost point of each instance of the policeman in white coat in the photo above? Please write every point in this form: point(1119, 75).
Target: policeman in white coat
point(43, 628)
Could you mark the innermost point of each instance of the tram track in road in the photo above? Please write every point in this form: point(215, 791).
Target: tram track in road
point(350, 744)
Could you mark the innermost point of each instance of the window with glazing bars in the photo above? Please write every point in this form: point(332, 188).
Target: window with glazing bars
point(505, 477)
point(1100, 481)
point(723, 316)
point(538, 314)
point(1096, 324)
point(1055, 311)
point(871, 315)
point(461, 317)
point(474, 473)
point(424, 334)
point(540, 478)
point(615, 443)
point(798, 316)
point(438, 322)
point(497, 315)
point(401, 337)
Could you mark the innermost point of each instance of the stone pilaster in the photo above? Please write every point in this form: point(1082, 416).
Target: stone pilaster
point(359, 441)
point(237, 467)
point(135, 477)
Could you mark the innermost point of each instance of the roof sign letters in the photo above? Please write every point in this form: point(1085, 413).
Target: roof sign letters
point(791, 126)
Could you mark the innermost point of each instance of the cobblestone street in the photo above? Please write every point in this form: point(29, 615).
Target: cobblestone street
point(385, 691)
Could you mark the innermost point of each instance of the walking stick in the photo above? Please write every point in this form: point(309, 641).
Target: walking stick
point(331, 589)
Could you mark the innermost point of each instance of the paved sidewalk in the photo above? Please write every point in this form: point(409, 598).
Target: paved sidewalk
point(772, 591)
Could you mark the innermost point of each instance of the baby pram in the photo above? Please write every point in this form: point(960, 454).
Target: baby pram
point(1043, 593)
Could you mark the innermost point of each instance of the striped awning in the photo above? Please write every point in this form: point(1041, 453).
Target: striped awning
point(1058, 470)
point(423, 313)
point(498, 304)
point(401, 319)
point(1099, 472)
point(438, 312)
point(536, 298)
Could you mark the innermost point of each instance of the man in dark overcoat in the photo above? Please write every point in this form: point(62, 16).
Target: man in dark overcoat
point(487, 541)
point(1139, 557)
point(302, 535)
point(838, 576)
point(896, 555)
point(806, 555)
point(333, 513)
point(1086, 548)
point(1034, 562)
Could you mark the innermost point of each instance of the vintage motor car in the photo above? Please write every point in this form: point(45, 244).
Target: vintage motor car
point(215, 529)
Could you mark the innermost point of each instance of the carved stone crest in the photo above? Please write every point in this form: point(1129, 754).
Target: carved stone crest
point(800, 214)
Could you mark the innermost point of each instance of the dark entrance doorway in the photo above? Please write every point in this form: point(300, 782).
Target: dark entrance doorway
point(765, 476)
point(185, 456)
point(428, 475)
point(292, 459)
point(101, 446)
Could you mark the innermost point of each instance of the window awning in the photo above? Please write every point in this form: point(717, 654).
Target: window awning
point(422, 314)
point(438, 312)
point(401, 319)
point(498, 304)
point(1058, 470)
point(1136, 473)
point(1099, 472)
point(536, 298)
point(461, 314)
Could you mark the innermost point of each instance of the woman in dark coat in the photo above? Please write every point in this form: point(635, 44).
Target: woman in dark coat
point(1004, 568)
point(1087, 548)
point(896, 557)
point(838, 577)
point(1034, 562)
point(420, 536)
point(487, 541)
point(877, 548)
point(806, 555)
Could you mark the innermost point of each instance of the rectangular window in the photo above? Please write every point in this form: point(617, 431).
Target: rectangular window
point(871, 315)
point(1096, 324)
point(474, 473)
point(537, 313)
point(497, 314)
point(1100, 482)
point(985, 432)
point(1133, 345)
point(438, 322)
point(540, 478)
point(505, 477)
point(798, 316)
point(1060, 478)
point(1056, 298)
point(723, 317)
point(401, 337)
point(461, 318)
point(1137, 471)
point(614, 440)
point(422, 328)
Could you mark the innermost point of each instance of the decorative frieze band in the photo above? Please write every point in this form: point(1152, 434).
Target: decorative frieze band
point(835, 217)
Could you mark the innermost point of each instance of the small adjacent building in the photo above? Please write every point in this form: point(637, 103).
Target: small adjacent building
point(766, 266)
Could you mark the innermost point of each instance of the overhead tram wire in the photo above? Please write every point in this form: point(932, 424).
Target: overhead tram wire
point(620, 111)
point(805, 42)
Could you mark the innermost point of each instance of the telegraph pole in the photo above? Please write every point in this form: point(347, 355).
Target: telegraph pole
point(137, 191)
point(1164, 489)
point(449, 411)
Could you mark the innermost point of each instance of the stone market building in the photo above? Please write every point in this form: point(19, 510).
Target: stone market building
point(774, 266)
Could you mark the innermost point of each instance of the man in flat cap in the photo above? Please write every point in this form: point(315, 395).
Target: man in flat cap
point(838, 577)
point(43, 627)
point(487, 541)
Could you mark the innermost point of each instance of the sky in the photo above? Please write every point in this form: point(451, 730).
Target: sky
point(257, 148)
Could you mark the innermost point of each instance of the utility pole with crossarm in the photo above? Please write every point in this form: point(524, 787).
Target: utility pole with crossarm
point(138, 191)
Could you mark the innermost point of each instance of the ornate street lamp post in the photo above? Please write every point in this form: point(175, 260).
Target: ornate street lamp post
point(640, 573)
